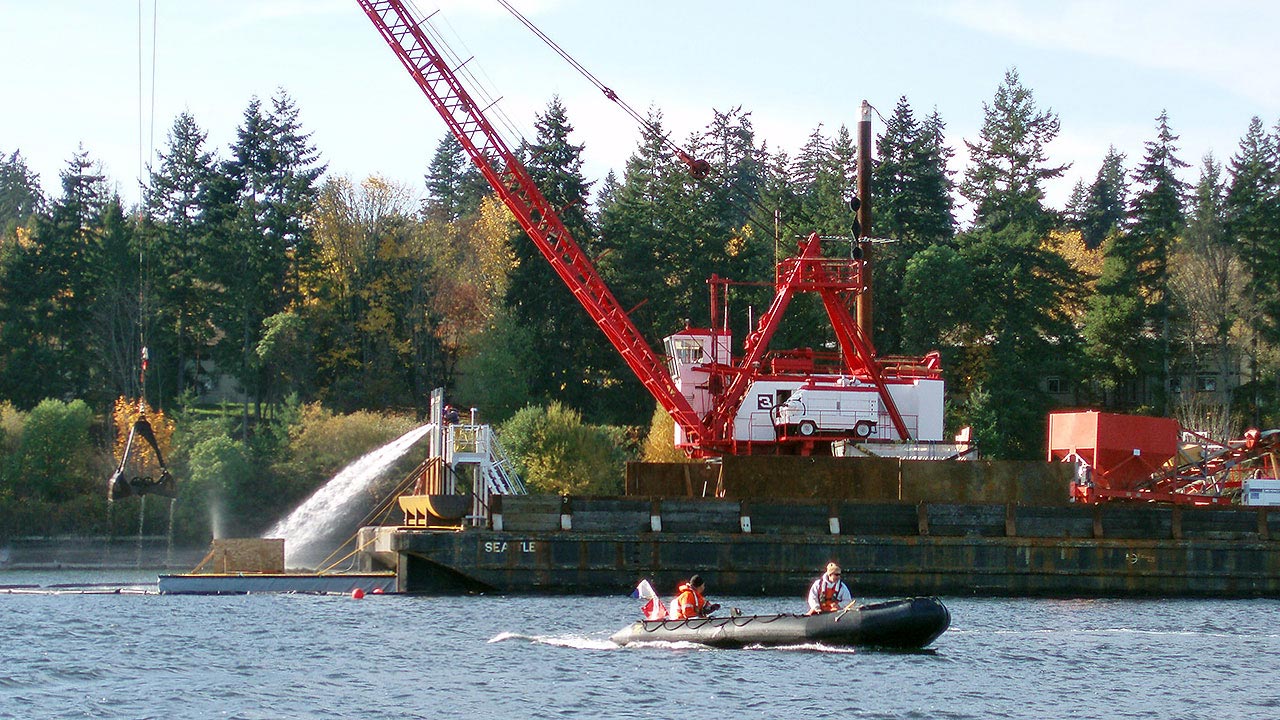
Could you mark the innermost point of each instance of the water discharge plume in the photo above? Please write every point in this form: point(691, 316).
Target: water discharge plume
point(318, 516)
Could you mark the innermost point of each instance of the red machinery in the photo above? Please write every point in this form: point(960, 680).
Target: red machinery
point(717, 423)
point(1133, 457)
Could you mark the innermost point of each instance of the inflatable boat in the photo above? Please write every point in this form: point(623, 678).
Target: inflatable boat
point(909, 624)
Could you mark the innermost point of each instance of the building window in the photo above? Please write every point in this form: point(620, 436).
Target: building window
point(1053, 385)
point(1207, 383)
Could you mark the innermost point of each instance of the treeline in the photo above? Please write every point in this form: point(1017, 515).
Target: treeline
point(360, 296)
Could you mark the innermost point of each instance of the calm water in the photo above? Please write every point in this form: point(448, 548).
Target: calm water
point(305, 656)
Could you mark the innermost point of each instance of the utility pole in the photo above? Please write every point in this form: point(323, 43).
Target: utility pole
point(863, 303)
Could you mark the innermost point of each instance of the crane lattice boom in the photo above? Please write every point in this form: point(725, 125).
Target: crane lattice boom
point(508, 177)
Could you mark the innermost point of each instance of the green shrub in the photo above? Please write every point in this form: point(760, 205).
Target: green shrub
point(556, 453)
point(218, 494)
point(54, 460)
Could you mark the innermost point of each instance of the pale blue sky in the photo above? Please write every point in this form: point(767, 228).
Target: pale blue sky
point(71, 72)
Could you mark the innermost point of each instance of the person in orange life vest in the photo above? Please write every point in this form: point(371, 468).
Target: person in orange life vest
point(690, 601)
point(828, 592)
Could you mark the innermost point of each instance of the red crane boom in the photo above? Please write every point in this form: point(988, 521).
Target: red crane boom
point(508, 177)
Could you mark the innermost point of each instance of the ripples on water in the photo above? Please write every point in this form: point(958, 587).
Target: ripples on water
point(304, 656)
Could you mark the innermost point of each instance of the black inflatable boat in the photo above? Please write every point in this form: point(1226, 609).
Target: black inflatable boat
point(910, 623)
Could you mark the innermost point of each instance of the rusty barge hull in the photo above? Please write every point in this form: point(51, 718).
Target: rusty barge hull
point(605, 545)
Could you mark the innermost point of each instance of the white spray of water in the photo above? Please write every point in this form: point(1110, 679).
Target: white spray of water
point(311, 521)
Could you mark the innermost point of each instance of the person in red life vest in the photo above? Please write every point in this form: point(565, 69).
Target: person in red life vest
point(690, 601)
point(828, 592)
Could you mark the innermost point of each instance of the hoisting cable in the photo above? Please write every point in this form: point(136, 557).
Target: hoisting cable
point(697, 167)
point(120, 484)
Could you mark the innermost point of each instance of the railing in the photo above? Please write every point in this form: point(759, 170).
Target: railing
point(478, 446)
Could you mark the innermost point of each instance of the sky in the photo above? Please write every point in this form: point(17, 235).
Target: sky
point(111, 76)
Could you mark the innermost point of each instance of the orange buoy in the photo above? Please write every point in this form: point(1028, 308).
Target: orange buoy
point(377, 591)
point(357, 594)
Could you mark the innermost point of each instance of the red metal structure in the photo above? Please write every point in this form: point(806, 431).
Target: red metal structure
point(705, 431)
point(1134, 457)
point(508, 177)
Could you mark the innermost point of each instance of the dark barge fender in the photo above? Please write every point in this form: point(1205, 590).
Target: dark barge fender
point(886, 549)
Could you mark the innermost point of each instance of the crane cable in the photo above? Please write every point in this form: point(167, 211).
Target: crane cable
point(146, 118)
point(699, 169)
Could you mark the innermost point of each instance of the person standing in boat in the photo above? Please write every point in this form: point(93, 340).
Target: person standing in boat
point(828, 593)
point(691, 602)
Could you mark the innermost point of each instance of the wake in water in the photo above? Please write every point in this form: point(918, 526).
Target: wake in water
point(582, 643)
point(317, 517)
point(569, 641)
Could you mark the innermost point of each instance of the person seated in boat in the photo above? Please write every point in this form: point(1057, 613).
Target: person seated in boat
point(691, 601)
point(828, 593)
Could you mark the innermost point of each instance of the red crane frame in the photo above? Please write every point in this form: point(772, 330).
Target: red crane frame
point(835, 280)
point(536, 216)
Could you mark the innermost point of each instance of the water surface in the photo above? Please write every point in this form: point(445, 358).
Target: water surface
point(127, 655)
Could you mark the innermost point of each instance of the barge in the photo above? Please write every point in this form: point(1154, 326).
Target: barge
point(766, 525)
point(246, 566)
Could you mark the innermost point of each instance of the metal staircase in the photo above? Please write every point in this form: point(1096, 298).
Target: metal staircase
point(473, 453)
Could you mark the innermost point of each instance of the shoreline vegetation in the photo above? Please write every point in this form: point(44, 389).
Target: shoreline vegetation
point(280, 322)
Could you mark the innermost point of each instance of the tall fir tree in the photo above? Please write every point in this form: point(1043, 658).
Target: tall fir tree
point(46, 294)
point(728, 223)
point(912, 206)
point(564, 355)
point(1104, 207)
point(455, 186)
point(20, 194)
point(121, 307)
point(260, 210)
point(1156, 220)
point(640, 257)
point(1253, 224)
point(176, 201)
point(1019, 331)
point(1009, 161)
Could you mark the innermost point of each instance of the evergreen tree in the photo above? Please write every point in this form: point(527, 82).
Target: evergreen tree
point(119, 308)
point(1157, 219)
point(1008, 163)
point(20, 195)
point(1073, 213)
point(46, 292)
point(825, 174)
point(292, 189)
point(728, 223)
point(607, 195)
point(455, 186)
point(175, 202)
point(1253, 224)
point(1104, 207)
point(564, 355)
point(665, 233)
point(1118, 339)
point(260, 208)
point(1128, 324)
point(912, 206)
point(644, 256)
point(1019, 331)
